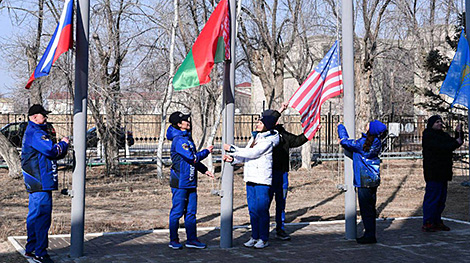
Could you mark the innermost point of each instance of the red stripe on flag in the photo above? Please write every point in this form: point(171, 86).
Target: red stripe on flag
point(65, 42)
point(315, 90)
point(316, 106)
point(206, 43)
point(303, 90)
point(30, 81)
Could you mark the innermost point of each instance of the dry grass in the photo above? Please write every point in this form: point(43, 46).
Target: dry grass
point(139, 200)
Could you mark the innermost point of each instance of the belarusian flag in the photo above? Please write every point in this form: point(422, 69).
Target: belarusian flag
point(211, 46)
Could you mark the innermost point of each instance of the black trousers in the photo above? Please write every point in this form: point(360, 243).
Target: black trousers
point(367, 199)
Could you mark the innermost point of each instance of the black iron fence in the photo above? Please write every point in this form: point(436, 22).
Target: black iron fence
point(405, 133)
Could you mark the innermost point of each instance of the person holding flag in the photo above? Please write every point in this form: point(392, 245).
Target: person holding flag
point(280, 181)
point(257, 173)
point(437, 167)
point(39, 157)
point(366, 166)
point(186, 162)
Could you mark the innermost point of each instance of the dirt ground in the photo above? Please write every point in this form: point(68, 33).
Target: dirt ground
point(139, 200)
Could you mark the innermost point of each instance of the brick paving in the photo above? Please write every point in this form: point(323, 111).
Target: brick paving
point(399, 240)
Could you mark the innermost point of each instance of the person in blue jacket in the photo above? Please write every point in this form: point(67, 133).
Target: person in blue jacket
point(39, 157)
point(366, 165)
point(186, 162)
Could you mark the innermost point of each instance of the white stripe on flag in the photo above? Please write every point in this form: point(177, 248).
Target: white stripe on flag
point(312, 94)
point(302, 88)
point(51, 53)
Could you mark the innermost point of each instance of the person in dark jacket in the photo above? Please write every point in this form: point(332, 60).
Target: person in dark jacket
point(186, 162)
point(39, 157)
point(280, 181)
point(437, 166)
point(366, 166)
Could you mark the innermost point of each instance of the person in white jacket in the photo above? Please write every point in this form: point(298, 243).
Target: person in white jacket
point(257, 174)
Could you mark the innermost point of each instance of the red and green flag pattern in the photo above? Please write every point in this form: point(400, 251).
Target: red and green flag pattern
point(211, 46)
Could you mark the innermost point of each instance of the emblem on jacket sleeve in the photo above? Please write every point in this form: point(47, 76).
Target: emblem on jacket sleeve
point(44, 138)
point(185, 146)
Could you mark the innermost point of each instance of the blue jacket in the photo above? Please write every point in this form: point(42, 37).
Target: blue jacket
point(366, 164)
point(185, 159)
point(39, 158)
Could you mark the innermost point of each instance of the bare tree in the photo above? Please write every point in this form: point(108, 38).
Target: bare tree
point(372, 14)
point(268, 31)
point(110, 54)
point(169, 92)
point(32, 51)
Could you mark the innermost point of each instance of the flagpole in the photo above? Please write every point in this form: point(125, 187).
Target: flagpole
point(467, 25)
point(349, 114)
point(79, 129)
point(226, 204)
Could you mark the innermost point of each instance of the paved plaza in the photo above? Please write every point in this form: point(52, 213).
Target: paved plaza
point(399, 240)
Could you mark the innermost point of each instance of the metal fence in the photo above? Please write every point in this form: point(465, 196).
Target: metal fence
point(405, 133)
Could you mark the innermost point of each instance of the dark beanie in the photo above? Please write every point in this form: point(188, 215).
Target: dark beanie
point(433, 120)
point(376, 127)
point(177, 117)
point(269, 121)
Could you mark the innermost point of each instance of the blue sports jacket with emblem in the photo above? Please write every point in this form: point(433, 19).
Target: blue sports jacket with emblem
point(39, 157)
point(185, 159)
point(366, 165)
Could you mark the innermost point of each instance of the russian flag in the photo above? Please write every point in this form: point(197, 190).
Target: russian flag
point(61, 42)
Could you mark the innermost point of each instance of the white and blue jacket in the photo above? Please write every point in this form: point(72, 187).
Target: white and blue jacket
point(186, 161)
point(257, 156)
point(39, 157)
point(366, 165)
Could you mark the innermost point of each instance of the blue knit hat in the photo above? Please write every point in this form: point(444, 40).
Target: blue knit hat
point(376, 127)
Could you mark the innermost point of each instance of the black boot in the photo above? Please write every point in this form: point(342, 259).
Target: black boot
point(366, 240)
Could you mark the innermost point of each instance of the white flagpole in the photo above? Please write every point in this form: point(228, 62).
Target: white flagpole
point(226, 204)
point(467, 25)
point(79, 129)
point(349, 114)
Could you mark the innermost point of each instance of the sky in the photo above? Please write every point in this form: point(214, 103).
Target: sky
point(6, 80)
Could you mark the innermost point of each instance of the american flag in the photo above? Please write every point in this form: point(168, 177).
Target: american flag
point(323, 83)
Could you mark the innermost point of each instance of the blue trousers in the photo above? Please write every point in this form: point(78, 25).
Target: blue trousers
point(278, 190)
point(367, 198)
point(434, 201)
point(184, 203)
point(38, 222)
point(257, 196)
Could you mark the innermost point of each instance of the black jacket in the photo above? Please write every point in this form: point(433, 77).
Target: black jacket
point(437, 155)
point(281, 151)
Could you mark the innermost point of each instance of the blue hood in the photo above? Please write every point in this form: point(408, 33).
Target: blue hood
point(172, 133)
point(376, 127)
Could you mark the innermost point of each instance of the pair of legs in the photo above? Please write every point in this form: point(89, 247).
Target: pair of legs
point(434, 202)
point(278, 190)
point(184, 203)
point(38, 222)
point(257, 196)
point(367, 199)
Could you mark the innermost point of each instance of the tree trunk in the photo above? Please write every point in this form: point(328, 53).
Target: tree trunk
point(363, 101)
point(306, 156)
point(210, 140)
point(169, 92)
point(11, 157)
point(32, 53)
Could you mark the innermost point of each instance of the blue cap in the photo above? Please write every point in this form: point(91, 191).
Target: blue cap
point(376, 127)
